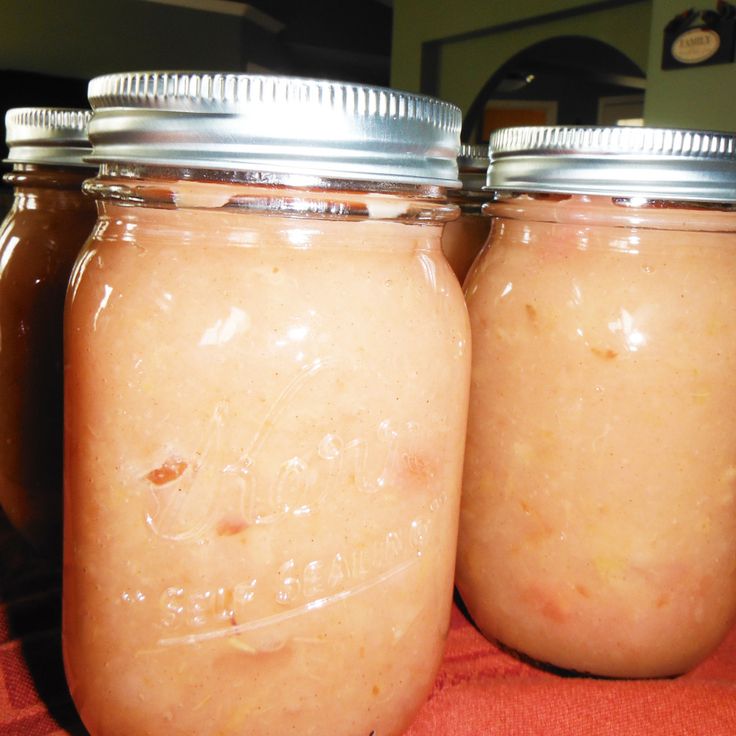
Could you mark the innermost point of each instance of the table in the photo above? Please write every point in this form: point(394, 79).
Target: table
point(481, 690)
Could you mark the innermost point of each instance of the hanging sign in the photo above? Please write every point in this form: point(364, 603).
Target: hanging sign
point(700, 37)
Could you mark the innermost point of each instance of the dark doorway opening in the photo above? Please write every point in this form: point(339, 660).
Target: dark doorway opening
point(566, 80)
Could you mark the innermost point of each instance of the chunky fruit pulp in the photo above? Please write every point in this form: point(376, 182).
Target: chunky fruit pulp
point(39, 241)
point(265, 425)
point(598, 523)
point(462, 240)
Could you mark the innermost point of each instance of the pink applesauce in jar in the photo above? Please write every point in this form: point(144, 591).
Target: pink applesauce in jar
point(39, 240)
point(463, 238)
point(267, 367)
point(598, 523)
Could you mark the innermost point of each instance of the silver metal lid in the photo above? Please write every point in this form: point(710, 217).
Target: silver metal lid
point(274, 124)
point(473, 162)
point(656, 163)
point(47, 135)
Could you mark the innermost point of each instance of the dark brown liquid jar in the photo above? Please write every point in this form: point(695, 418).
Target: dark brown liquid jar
point(39, 240)
point(266, 374)
point(598, 525)
point(464, 237)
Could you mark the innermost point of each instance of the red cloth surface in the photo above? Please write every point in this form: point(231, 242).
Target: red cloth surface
point(480, 689)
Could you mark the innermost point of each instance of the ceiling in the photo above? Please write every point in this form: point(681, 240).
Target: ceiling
point(337, 39)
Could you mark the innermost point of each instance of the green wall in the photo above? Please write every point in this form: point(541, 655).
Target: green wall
point(84, 38)
point(702, 97)
point(626, 28)
point(416, 21)
point(466, 65)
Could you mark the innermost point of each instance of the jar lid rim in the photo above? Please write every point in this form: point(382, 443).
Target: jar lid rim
point(274, 123)
point(657, 163)
point(47, 135)
point(472, 163)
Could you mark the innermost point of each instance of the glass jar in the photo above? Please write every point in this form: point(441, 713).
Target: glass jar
point(463, 238)
point(267, 370)
point(598, 524)
point(39, 240)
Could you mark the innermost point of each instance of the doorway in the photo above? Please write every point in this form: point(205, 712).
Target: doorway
point(565, 80)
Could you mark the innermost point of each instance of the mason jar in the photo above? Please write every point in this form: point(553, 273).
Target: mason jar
point(39, 240)
point(463, 238)
point(267, 368)
point(598, 525)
